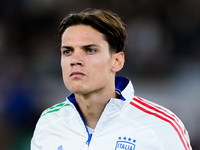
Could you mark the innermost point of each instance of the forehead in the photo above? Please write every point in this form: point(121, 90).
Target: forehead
point(81, 34)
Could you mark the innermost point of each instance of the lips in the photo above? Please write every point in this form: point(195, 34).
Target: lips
point(77, 74)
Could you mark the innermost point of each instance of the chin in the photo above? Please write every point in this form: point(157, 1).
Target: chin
point(74, 87)
point(77, 90)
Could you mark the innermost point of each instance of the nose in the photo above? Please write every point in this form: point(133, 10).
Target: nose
point(73, 64)
point(77, 59)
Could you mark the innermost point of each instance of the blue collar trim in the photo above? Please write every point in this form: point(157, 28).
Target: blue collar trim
point(72, 99)
point(120, 85)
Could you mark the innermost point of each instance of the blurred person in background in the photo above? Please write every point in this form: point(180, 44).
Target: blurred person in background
point(102, 112)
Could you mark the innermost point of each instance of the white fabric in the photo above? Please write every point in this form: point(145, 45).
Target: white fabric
point(90, 130)
point(132, 124)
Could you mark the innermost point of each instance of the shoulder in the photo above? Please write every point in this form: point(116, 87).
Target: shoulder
point(47, 121)
point(151, 108)
point(163, 122)
point(52, 114)
point(54, 108)
point(154, 112)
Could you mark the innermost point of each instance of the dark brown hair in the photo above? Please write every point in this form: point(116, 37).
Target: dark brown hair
point(104, 21)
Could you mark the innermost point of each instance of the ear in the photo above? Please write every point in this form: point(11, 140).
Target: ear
point(118, 61)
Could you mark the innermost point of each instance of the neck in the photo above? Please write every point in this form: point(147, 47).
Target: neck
point(91, 106)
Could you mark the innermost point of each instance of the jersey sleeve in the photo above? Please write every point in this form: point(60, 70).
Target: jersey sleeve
point(34, 141)
point(172, 136)
point(168, 128)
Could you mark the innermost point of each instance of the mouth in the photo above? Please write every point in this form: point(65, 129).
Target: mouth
point(77, 74)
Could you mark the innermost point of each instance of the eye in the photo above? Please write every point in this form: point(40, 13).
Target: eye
point(67, 52)
point(90, 50)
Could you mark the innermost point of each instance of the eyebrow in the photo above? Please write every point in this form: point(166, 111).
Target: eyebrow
point(84, 46)
point(91, 45)
point(66, 47)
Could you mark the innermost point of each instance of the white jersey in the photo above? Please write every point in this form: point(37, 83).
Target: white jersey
point(129, 123)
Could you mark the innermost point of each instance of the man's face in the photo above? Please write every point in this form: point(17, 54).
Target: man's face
point(86, 61)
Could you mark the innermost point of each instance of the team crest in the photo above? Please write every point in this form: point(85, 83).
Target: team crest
point(125, 144)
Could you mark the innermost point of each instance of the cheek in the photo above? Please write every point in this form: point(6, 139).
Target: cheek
point(101, 70)
point(64, 68)
point(106, 66)
point(64, 64)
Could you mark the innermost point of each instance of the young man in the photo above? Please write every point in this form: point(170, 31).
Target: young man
point(102, 112)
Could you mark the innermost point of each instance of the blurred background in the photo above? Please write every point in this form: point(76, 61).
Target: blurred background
point(162, 59)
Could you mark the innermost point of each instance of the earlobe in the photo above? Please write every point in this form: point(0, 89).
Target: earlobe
point(118, 61)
